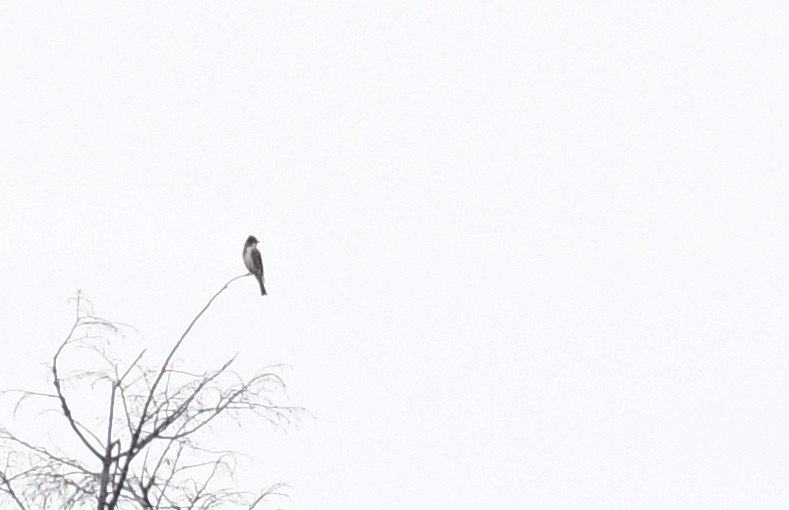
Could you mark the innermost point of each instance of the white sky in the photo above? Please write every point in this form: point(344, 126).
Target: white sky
point(519, 254)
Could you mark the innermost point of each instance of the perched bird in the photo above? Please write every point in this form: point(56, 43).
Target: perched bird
point(253, 261)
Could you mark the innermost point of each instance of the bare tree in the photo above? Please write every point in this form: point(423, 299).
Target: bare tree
point(144, 451)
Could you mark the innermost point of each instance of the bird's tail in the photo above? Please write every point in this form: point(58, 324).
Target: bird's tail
point(262, 287)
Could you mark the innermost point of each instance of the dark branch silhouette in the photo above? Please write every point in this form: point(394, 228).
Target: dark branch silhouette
point(144, 451)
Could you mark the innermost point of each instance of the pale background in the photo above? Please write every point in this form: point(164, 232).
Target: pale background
point(519, 254)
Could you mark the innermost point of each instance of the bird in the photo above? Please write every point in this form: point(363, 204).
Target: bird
point(253, 261)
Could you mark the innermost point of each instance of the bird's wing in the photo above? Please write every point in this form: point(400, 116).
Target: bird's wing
point(257, 261)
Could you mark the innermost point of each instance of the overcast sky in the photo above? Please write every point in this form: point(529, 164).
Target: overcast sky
point(518, 254)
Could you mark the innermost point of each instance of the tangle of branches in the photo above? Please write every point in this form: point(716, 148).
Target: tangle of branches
point(143, 450)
